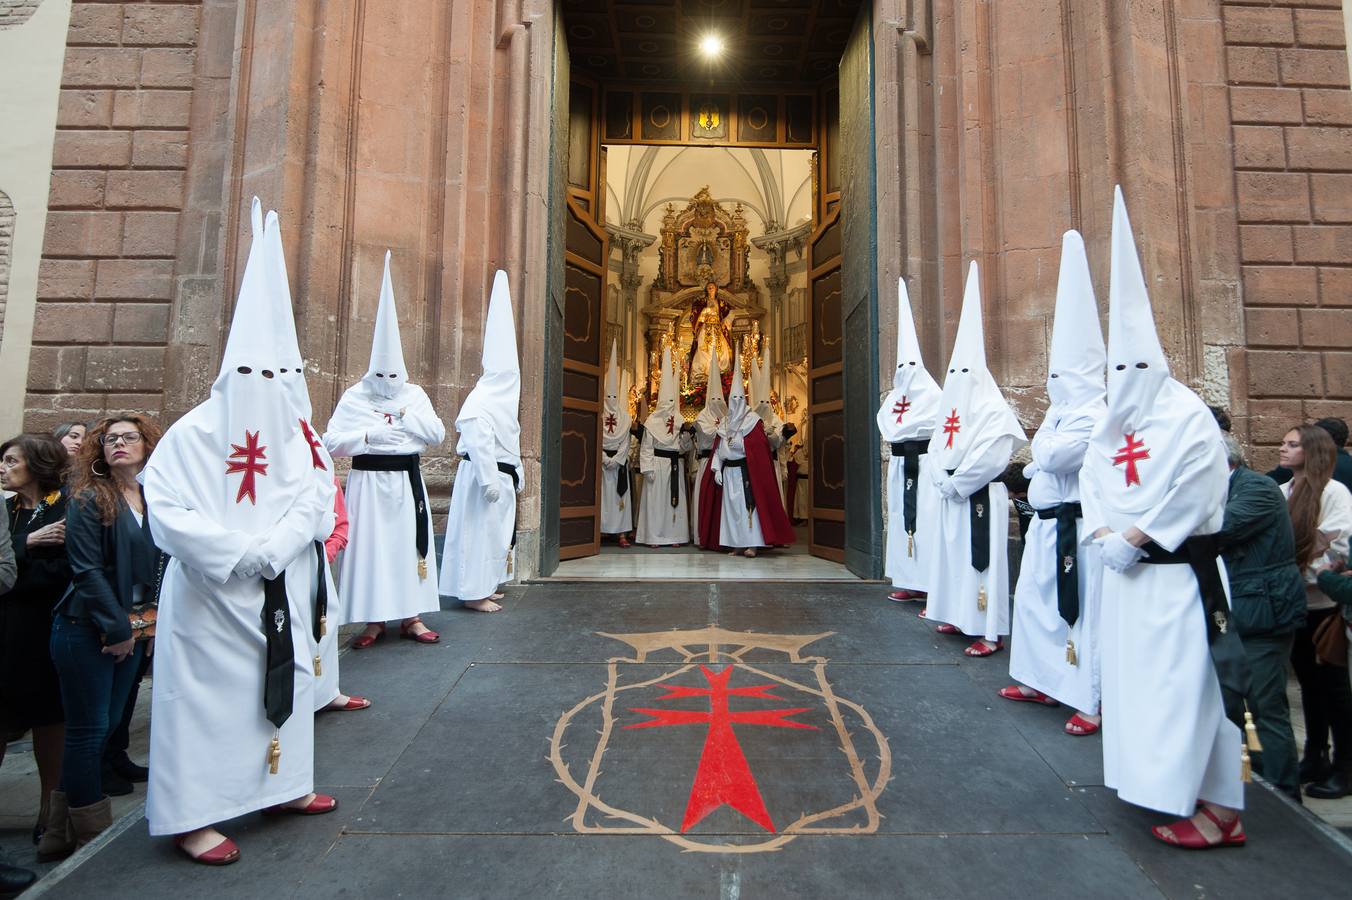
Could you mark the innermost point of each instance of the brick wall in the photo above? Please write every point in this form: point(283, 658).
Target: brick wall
point(107, 271)
point(15, 12)
point(6, 249)
point(1292, 118)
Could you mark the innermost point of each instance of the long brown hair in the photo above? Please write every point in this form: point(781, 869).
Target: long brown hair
point(1307, 490)
point(91, 469)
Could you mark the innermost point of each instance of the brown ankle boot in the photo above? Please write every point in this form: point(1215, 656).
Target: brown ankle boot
point(58, 841)
point(88, 821)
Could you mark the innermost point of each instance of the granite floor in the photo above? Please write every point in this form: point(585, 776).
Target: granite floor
point(872, 760)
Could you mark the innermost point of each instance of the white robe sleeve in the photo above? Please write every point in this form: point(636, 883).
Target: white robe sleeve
point(1198, 489)
point(421, 421)
point(983, 464)
point(302, 525)
point(1091, 505)
point(1060, 451)
point(196, 540)
point(345, 436)
point(646, 455)
point(476, 439)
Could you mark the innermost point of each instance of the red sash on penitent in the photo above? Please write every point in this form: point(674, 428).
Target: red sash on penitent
point(760, 468)
point(710, 505)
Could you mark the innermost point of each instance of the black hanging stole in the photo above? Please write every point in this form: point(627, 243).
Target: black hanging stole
point(740, 464)
point(321, 591)
point(621, 474)
point(1067, 516)
point(1199, 553)
point(402, 462)
point(910, 453)
point(675, 479)
point(279, 683)
point(979, 505)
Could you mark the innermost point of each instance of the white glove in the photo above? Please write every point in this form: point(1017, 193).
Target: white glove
point(491, 493)
point(1118, 553)
point(253, 560)
point(718, 477)
point(948, 490)
point(386, 438)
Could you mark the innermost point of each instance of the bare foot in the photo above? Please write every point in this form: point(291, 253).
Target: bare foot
point(344, 702)
point(484, 605)
point(200, 841)
point(749, 552)
point(497, 596)
point(415, 626)
point(301, 802)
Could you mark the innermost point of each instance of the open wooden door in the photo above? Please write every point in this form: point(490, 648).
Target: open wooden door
point(585, 251)
point(826, 345)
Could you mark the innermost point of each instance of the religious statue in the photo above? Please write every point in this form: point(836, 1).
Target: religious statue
point(711, 327)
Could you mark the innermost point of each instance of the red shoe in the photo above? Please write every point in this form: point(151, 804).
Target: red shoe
point(904, 595)
point(1185, 834)
point(1014, 693)
point(1080, 726)
point(624, 541)
point(223, 854)
point(427, 637)
point(364, 640)
point(980, 649)
point(353, 703)
point(322, 803)
point(947, 629)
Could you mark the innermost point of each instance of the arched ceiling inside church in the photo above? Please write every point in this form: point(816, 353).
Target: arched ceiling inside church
point(780, 42)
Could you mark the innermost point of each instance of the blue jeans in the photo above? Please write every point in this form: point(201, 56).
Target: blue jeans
point(94, 690)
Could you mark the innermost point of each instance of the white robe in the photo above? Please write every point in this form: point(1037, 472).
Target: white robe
point(478, 533)
point(955, 585)
point(1166, 739)
point(735, 528)
point(1038, 657)
point(379, 570)
point(210, 742)
point(908, 567)
point(617, 513)
point(659, 524)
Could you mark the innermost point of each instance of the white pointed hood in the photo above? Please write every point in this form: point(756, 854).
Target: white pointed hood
point(238, 457)
point(615, 405)
point(1075, 364)
point(664, 422)
point(715, 407)
point(972, 411)
point(740, 419)
point(292, 365)
point(496, 397)
point(909, 410)
point(760, 391)
point(387, 372)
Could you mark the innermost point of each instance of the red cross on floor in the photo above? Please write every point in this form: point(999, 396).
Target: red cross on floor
point(901, 407)
point(723, 778)
point(671, 424)
point(315, 459)
point(247, 461)
point(610, 423)
point(1131, 453)
point(952, 425)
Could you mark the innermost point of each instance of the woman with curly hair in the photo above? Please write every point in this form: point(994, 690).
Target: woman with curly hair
point(33, 466)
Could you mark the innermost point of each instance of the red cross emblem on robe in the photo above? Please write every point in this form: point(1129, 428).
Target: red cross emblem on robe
point(671, 424)
point(245, 460)
point(316, 459)
point(610, 423)
point(952, 425)
point(1132, 452)
point(901, 407)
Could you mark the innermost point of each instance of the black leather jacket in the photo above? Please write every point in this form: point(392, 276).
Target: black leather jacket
point(107, 562)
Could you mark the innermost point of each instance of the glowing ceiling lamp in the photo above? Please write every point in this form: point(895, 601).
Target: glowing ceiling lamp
point(711, 45)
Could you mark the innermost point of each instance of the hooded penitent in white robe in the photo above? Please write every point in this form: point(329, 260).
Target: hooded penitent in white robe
point(1156, 462)
point(379, 421)
point(802, 500)
point(737, 527)
point(617, 510)
point(232, 498)
point(324, 624)
point(1049, 654)
point(663, 519)
point(765, 409)
point(974, 437)
point(481, 524)
point(707, 425)
point(906, 420)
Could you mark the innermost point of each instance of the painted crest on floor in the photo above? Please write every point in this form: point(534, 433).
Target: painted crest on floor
point(710, 733)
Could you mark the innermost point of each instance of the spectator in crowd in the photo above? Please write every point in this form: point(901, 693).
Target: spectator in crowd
point(72, 436)
point(1222, 417)
point(33, 466)
point(1342, 464)
point(1321, 516)
point(105, 623)
point(1267, 605)
point(13, 879)
point(1335, 580)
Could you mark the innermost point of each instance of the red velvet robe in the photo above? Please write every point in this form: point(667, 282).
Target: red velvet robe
point(774, 520)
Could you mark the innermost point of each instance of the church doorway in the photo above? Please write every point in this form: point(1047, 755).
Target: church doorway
point(706, 156)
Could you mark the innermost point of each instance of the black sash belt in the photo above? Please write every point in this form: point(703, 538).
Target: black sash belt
point(402, 462)
point(1067, 515)
point(1199, 552)
point(675, 457)
point(321, 591)
point(279, 678)
point(704, 454)
point(910, 452)
point(621, 474)
point(980, 506)
point(746, 481)
point(507, 469)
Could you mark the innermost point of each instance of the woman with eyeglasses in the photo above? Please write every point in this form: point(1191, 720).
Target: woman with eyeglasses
point(105, 622)
point(33, 466)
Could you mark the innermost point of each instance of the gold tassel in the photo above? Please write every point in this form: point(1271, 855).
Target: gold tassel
point(981, 599)
point(422, 569)
point(274, 754)
point(1070, 653)
point(1251, 733)
point(1245, 769)
point(323, 625)
point(621, 504)
point(910, 543)
point(319, 667)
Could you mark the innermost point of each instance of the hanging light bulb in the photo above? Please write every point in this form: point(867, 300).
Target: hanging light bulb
point(711, 45)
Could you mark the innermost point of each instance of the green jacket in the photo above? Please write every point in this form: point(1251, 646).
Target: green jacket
point(1338, 588)
point(1267, 595)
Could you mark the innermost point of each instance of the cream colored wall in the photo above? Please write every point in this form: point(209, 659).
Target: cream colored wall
point(31, 57)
